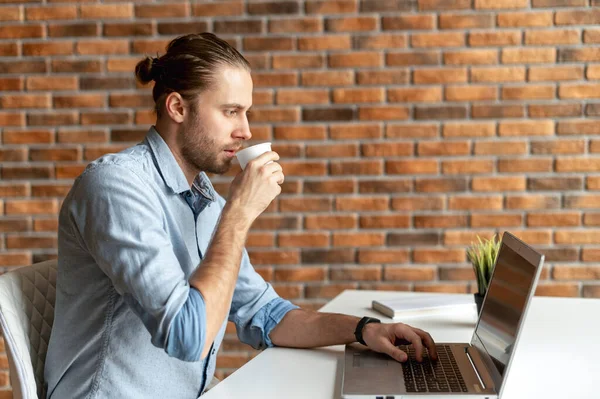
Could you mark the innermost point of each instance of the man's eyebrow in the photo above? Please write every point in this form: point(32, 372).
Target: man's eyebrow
point(235, 105)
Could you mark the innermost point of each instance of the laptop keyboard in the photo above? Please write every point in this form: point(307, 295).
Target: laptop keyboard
point(442, 375)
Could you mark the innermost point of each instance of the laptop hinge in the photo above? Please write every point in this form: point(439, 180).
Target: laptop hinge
point(474, 367)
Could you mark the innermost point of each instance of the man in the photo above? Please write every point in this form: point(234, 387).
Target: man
point(151, 261)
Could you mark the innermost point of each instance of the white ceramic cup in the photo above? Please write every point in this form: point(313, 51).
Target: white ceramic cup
point(248, 154)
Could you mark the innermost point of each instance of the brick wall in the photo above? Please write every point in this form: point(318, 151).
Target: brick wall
point(405, 128)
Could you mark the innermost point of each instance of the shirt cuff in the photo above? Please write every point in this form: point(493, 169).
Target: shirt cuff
point(188, 329)
point(270, 315)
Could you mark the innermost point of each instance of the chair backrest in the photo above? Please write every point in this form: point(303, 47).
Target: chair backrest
point(27, 298)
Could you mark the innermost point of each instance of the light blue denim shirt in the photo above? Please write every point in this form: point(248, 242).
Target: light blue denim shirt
point(127, 323)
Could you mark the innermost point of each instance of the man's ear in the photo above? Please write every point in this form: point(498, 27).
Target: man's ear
point(175, 107)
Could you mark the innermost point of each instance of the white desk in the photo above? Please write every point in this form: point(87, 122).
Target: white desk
point(560, 341)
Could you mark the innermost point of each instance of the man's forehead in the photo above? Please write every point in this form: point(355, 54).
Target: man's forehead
point(234, 86)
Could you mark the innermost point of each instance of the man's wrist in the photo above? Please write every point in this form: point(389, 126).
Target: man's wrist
point(358, 332)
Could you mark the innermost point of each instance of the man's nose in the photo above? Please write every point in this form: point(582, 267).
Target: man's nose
point(243, 131)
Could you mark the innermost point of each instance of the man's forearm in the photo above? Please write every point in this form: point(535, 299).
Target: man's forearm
point(301, 328)
point(216, 277)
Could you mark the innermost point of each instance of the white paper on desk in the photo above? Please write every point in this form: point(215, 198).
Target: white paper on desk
point(402, 307)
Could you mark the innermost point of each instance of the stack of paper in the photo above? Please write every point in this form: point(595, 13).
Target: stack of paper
point(423, 305)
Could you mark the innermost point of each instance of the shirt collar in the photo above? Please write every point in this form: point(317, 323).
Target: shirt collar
point(170, 170)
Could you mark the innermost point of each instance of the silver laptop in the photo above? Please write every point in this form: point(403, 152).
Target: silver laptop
point(463, 370)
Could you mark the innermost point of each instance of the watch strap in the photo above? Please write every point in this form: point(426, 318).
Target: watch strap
point(361, 325)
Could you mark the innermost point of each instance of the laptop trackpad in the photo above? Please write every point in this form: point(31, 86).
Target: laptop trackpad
point(370, 359)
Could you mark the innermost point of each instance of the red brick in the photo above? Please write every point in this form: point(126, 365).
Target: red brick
point(408, 22)
point(443, 148)
point(80, 101)
point(441, 75)
point(425, 57)
point(77, 29)
point(50, 13)
point(558, 147)
point(235, 7)
point(386, 77)
point(171, 10)
point(38, 136)
point(444, 4)
point(339, 221)
point(516, 165)
point(363, 203)
point(12, 119)
point(481, 129)
point(128, 29)
point(354, 273)
point(25, 101)
point(530, 92)
point(451, 255)
point(558, 219)
point(56, 83)
point(362, 167)
point(546, 73)
point(416, 167)
point(589, 201)
point(440, 185)
point(498, 74)
point(13, 154)
point(13, 50)
point(467, 167)
point(412, 130)
point(358, 95)
point(552, 37)
point(591, 36)
point(559, 3)
point(11, 14)
point(106, 11)
point(525, 19)
point(567, 165)
point(588, 236)
point(579, 91)
point(89, 47)
point(578, 17)
point(577, 126)
point(528, 55)
point(416, 94)
point(500, 4)
point(311, 132)
point(331, 151)
point(298, 61)
point(381, 41)
point(470, 93)
point(323, 43)
point(303, 240)
point(526, 128)
point(331, 7)
point(495, 38)
point(15, 259)
point(509, 183)
point(31, 207)
point(21, 31)
point(275, 79)
point(469, 203)
point(409, 273)
point(11, 84)
point(54, 154)
point(328, 78)
point(355, 59)
point(76, 66)
point(355, 131)
point(300, 274)
point(383, 113)
point(295, 25)
point(532, 201)
point(554, 110)
point(82, 136)
point(275, 115)
point(351, 24)
point(497, 111)
point(503, 220)
point(344, 239)
point(471, 57)
point(428, 202)
point(48, 48)
point(440, 221)
point(445, 39)
point(466, 21)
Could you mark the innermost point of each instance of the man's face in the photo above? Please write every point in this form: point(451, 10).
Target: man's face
point(217, 123)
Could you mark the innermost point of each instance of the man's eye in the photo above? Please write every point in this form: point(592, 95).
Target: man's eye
point(231, 113)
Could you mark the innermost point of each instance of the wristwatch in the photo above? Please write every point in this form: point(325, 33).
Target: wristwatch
point(361, 324)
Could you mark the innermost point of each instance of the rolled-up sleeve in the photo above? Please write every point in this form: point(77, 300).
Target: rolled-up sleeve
point(120, 221)
point(256, 308)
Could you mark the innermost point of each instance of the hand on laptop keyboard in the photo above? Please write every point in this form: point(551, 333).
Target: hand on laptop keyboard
point(383, 338)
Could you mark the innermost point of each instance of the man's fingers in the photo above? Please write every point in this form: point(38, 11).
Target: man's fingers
point(428, 341)
point(394, 351)
point(409, 334)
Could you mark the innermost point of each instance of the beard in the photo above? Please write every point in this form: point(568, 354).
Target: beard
point(201, 151)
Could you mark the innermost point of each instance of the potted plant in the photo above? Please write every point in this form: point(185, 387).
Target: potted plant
point(482, 256)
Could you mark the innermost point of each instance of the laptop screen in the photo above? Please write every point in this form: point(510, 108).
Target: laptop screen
point(504, 305)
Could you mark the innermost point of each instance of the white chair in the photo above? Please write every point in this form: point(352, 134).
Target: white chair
point(27, 298)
